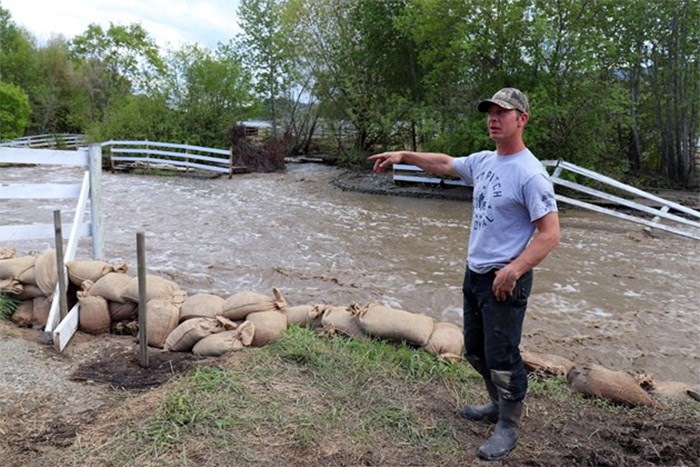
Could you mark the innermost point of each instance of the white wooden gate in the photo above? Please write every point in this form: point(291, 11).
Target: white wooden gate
point(88, 189)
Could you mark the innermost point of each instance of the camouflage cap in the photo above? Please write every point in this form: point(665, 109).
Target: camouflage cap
point(508, 98)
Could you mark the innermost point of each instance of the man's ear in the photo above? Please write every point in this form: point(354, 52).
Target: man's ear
point(524, 118)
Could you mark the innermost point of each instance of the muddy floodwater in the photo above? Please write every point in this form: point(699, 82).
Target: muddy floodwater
point(610, 294)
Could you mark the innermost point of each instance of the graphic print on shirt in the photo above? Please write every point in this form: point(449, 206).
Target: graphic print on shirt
point(488, 187)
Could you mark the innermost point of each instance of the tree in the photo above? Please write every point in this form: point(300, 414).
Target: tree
point(14, 111)
point(210, 91)
point(116, 62)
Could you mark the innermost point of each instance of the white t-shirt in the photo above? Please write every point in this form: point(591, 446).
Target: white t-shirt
point(510, 193)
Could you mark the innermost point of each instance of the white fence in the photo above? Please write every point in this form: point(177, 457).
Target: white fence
point(151, 154)
point(88, 189)
point(685, 221)
point(47, 141)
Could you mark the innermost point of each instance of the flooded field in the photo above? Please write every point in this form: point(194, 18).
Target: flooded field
point(610, 294)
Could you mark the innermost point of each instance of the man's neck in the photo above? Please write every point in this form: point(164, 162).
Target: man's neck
point(510, 149)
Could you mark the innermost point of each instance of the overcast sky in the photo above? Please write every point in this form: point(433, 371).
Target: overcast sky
point(169, 22)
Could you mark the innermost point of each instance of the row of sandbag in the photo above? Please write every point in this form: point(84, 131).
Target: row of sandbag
point(108, 295)
point(31, 280)
point(206, 318)
point(600, 382)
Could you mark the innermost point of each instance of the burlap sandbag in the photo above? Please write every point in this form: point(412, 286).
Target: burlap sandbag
point(300, 315)
point(111, 286)
point(668, 389)
point(94, 314)
point(446, 341)
point(12, 268)
point(7, 253)
point(28, 292)
point(218, 344)
point(616, 386)
point(122, 311)
point(161, 318)
point(24, 313)
point(42, 307)
point(338, 320)
point(45, 271)
point(396, 325)
point(189, 332)
point(11, 286)
point(157, 288)
point(202, 305)
point(28, 277)
point(79, 271)
point(269, 326)
point(546, 363)
point(241, 304)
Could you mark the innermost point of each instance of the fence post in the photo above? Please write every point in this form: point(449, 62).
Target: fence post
point(143, 293)
point(97, 231)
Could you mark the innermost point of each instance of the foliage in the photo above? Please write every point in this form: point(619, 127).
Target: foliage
point(209, 91)
point(14, 111)
point(8, 305)
point(611, 89)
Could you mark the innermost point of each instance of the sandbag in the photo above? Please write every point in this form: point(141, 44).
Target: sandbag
point(241, 304)
point(7, 253)
point(269, 326)
point(546, 363)
point(122, 311)
point(42, 307)
point(668, 389)
point(24, 313)
point(157, 288)
point(300, 315)
point(79, 271)
point(202, 305)
point(397, 325)
point(28, 277)
point(12, 268)
point(28, 292)
point(45, 271)
point(161, 318)
point(11, 286)
point(338, 320)
point(111, 286)
point(94, 314)
point(218, 344)
point(189, 332)
point(616, 386)
point(447, 341)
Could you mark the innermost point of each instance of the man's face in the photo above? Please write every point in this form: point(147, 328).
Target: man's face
point(504, 124)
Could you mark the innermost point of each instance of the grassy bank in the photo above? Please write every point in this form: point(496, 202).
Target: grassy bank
point(309, 400)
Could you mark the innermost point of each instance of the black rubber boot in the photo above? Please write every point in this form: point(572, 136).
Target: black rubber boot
point(487, 412)
point(505, 437)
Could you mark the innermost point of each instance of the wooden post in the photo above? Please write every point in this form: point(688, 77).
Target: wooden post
point(143, 334)
point(60, 268)
point(96, 226)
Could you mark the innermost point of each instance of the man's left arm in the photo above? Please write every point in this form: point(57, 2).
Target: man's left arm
point(546, 240)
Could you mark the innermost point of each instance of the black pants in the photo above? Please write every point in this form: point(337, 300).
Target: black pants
point(492, 332)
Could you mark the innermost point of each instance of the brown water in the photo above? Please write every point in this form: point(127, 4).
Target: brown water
point(609, 294)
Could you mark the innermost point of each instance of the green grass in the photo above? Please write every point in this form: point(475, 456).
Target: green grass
point(8, 306)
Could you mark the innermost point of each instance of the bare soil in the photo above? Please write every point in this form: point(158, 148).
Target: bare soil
point(98, 379)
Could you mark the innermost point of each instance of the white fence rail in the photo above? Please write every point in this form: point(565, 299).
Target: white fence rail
point(153, 154)
point(88, 189)
point(48, 141)
point(684, 221)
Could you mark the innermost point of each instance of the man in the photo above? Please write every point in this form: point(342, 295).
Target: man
point(513, 196)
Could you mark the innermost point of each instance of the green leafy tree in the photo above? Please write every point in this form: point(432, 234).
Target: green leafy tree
point(14, 111)
point(115, 63)
point(210, 91)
